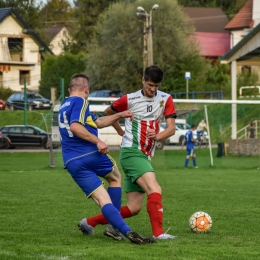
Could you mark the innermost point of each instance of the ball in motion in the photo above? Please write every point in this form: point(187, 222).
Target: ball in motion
point(200, 222)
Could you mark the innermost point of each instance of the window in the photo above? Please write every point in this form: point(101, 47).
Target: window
point(15, 129)
point(28, 130)
point(24, 74)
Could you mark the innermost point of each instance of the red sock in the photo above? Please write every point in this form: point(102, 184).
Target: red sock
point(100, 219)
point(155, 210)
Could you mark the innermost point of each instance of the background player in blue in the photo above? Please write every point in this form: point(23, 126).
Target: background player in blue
point(86, 156)
point(190, 144)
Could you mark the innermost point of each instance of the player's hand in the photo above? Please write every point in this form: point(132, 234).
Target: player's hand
point(129, 114)
point(152, 134)
point(102, 147)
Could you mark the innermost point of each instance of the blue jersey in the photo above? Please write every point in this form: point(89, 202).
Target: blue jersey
point(76, 109)
point(188, 138)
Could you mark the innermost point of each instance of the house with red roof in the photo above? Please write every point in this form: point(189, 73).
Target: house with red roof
point(210, 34)
point(244, 21)
point(245, 33)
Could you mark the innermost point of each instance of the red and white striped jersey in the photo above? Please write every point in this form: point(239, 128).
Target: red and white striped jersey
point(147, 115)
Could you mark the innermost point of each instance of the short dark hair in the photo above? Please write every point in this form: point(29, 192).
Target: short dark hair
point(79, 80)
point(154, 74)
point(193, 126)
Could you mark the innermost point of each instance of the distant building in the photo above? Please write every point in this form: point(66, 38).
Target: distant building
point(242, 24)
point(210, 33)
point(57, 36)
point(21, 52)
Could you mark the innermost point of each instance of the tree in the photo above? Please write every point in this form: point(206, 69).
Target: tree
point(56, 67)
point(218, 78)
point(56, 12)
point(115, 57)
point(230, 7)
point(86, 15)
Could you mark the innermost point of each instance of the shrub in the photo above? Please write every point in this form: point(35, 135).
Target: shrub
point(5, 92)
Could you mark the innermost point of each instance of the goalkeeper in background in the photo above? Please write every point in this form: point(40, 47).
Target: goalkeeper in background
point(190, 144)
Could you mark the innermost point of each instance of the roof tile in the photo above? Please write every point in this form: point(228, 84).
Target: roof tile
point(207, 19)
point(243, 19)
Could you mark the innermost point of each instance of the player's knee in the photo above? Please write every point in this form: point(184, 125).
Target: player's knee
point(135, 211)
point(114, 176)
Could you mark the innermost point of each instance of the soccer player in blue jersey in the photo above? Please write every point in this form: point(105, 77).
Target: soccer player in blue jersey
point(190, 144)
point(86, 157)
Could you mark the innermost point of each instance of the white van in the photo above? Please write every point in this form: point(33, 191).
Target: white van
point(107, 134)
point(181, 128)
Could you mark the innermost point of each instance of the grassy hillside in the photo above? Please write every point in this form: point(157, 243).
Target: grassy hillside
point(34, 117)
point(219, 117)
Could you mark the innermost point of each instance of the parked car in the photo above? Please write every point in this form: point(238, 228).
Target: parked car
point(2, 104)
point(94, 97)
point(106, 93)
point(34, 101)
point(23, 135)
point(181, 129)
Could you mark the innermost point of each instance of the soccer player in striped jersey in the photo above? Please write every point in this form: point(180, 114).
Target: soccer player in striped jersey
point(148, 105)
point(86, 157)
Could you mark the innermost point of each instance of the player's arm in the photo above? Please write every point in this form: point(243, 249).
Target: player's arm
point(113, 118)
point(183, 143)
point(79, 130)
point(169, 131)
point(109, 111)
point(170, 115)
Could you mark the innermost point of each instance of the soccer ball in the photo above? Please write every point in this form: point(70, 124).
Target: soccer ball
point(200, 222)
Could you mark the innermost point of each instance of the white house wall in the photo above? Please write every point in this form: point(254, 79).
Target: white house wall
point(256, 12)
point(10, 26)
point(236, 37)
point(56, 44)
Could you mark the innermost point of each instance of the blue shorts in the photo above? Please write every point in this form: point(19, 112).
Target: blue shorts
point(191, 152)
point(85, 171)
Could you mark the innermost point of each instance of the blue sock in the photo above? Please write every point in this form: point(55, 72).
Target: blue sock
point(194, 162)
point(114, 218)
point(186, 162)
point(115, 195)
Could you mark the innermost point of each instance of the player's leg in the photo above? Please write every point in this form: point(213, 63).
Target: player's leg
point(135, 202)
point(89, 182)
point(194, 159)
point(102, 199)
point(187, 159)
point(154, 204)
point(107, 164)
point(198, 135)
point(114, 190)
point(139, 178)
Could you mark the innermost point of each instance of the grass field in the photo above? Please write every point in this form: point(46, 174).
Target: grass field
point(40, 207)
